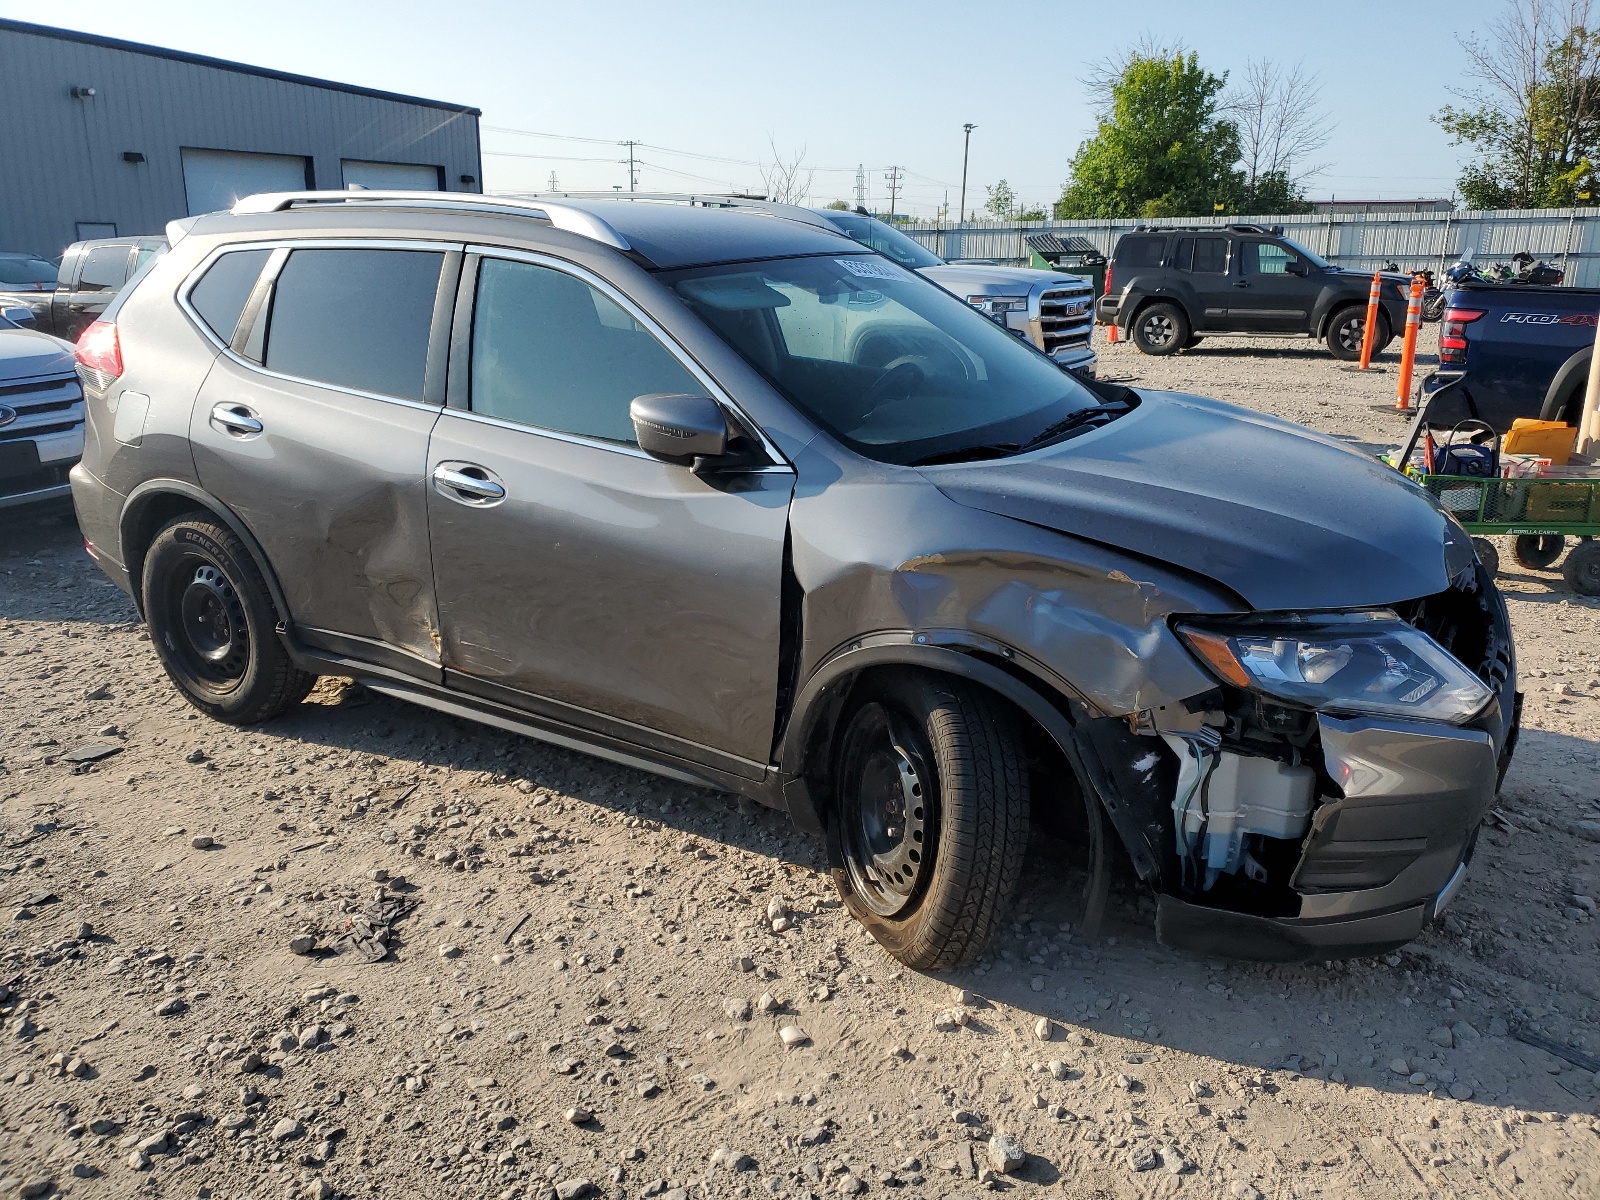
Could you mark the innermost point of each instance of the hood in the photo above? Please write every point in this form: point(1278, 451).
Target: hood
point(25, 353)
point(1282, 516)
point(972, 279)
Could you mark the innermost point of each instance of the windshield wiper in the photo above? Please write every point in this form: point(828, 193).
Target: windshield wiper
point(1075, 420)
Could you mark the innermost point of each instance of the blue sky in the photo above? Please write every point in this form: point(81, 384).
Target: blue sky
point(851, 83)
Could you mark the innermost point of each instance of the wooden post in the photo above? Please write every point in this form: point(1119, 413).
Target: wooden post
point(1408, 352)
point(1370, 330)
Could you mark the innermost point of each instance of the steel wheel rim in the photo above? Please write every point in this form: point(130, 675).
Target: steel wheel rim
point(1158, 329)
point(888, 806)
point(209, 629)
point(1351, 331)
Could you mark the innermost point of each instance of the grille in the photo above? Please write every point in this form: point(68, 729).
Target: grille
point(42, 406)
point(1066, 318)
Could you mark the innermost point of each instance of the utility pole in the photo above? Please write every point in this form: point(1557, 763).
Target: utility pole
point(633, 177)
point(965, 147)
point(892, 178)
point(861, 186)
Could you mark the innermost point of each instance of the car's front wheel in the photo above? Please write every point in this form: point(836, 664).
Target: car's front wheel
point(1348, 327)
point(930, 822)
point(1160, 329)
point(213, 624)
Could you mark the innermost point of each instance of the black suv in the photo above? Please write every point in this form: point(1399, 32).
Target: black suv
point(1168, 287)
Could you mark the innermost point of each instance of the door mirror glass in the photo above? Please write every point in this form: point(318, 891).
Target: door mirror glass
point(678, 427)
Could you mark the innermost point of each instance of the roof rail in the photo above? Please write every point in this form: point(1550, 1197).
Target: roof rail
point(568, 217)
point(792, 212)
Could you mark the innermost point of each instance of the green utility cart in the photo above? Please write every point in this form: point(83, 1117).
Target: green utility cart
point(1540, 512)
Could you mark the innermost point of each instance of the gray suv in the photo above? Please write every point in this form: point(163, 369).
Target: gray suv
point(729, 497)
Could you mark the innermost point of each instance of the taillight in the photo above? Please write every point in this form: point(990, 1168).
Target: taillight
point(1108, 279)
point(99, 353)
point(1453, 333)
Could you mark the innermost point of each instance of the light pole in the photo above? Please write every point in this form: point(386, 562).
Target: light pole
point(966, 146)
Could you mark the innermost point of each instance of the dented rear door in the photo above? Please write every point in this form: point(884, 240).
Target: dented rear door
point(315, 432)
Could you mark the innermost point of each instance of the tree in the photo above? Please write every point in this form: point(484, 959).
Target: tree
point(1162, 146)
point(839, 206)
point(787, 181)
point(1533, 124)
point(1280, 123)
point(1001, 202)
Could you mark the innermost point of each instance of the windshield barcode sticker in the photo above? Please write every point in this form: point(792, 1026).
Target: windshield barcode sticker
point(866, 268)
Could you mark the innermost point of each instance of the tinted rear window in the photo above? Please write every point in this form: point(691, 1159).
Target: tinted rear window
point(355, 318)
point(220, 295)
point(1140, 250)
point(105, 269)
point(1207, 255)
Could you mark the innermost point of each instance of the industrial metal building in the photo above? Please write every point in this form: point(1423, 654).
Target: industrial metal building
point(104, 137)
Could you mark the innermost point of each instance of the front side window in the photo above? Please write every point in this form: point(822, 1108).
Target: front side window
point(221, 294)
point(1266, 258)
point(890, 364)
point(105, 269)
point(355, 318)
point(551, 351)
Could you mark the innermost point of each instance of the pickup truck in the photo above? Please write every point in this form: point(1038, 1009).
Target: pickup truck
point(91, 273)
point(1523, 349)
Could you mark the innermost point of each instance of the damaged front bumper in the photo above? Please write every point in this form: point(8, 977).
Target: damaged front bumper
point(1285, 834)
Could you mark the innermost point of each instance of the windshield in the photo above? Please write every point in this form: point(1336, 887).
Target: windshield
point(1316, 260)
point(25, 271)
point(890, 364)
point(885, 239)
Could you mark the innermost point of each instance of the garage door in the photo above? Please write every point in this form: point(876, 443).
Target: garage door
point(214, 179)
point(394, 177)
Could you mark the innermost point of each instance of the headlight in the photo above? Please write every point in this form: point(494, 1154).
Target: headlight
point(996, 307)
point(1367, 662)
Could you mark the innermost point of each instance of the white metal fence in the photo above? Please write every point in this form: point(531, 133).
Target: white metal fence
point(1567, 237)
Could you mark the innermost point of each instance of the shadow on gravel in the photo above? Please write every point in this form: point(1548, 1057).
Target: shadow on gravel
point(46, 575)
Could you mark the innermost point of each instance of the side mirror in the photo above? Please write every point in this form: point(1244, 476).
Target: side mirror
point(21, 317)
point(1295, 267)
point(679, 428)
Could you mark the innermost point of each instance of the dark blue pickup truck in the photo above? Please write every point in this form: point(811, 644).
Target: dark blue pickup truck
point(1523, 349)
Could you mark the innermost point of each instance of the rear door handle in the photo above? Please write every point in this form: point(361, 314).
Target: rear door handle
point(468, 483)
point(235, 420)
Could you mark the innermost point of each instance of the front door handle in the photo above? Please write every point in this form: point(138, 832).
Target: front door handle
point(235, 420)
point(1241, 283)
point(467, 482)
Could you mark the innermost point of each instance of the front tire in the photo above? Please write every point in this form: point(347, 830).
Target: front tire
point(1160, 329)
point(213, 624)
point(930, 824)
point(1348, 327)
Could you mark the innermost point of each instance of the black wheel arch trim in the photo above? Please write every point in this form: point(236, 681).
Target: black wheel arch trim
point(822, 699)
point(1570, 377)
point(152, 490)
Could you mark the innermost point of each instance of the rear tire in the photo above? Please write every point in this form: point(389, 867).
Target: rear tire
point(1538, 551)
point(1346, 329)
point(1160, 329)
point(213, 624)
point(1582, 569)
point(1488, 555)
point(930, 821)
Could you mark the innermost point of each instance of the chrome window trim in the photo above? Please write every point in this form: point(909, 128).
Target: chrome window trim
point(714, 389)
point(193, 278)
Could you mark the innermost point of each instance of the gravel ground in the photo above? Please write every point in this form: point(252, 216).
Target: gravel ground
point(602, 983)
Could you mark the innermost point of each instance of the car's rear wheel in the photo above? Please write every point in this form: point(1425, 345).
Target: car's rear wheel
point(1488, 555)
point(1582, 568)
point(1347, 328)
point(213, 624)
point(930, 824)
point(1538, 551)
point(1160, 329)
